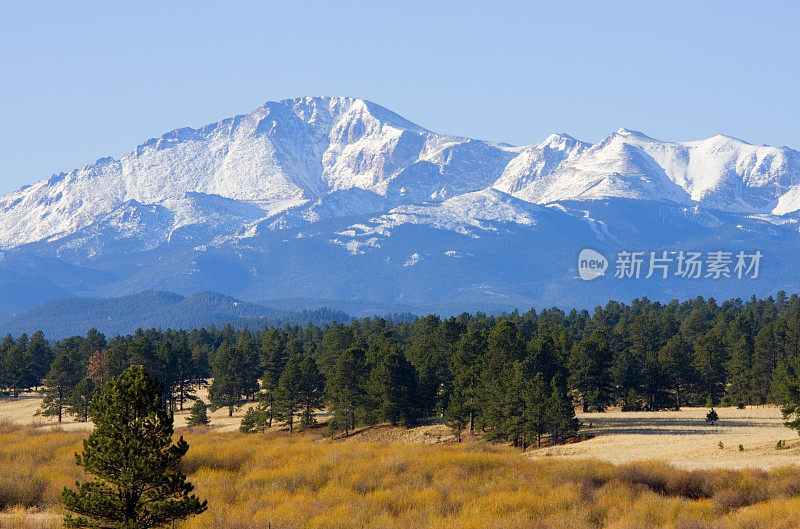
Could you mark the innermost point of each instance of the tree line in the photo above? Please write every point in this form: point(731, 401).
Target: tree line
point(516, 377)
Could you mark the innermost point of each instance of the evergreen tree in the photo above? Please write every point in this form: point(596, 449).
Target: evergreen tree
point(675, 359)
point(201, 368)
point(463, 404)
point(58, 386)
point(710, 358)
point(739, 390)
point(311, 389)
point(393, 384)
point(560, 415)
point(81, 399)
point(505, 345)
point(429, 352)
point(255, 419)
point(228, 368)
point(41, 356)
point(589, 363)
point(183, 366)
point(130, 452)
point(766, 355)
point(511, 425)
point(273, 362)
point(15, 370)
point(344, 389)
point(287, 393)
point(198, 414)
point(535, 415)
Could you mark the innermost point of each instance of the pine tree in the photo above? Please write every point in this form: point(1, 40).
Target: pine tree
point(81, 399)
point(589, 363)
point(273, 362)
point(256, 419)
point(676, 365)
point(201, 368)
point(40, 354)
point(58, 386)
point(710, 358)
point(429, 352)
point(393, 383)
point(344, 389)
point(310, 389)
point(198, 415)
point(130, 452)
point(560, 415)
point(463, 405)
point(228, 368)
point(535, 400)
point(287, 394)
point(181, 362)
point(15, 369)
point(504, 345)
point(738, 390)
point(511, 425)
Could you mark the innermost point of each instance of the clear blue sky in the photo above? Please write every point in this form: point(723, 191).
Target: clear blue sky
point(81, 80)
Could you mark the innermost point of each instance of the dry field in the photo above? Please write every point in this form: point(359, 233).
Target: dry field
point(306, 481)
point(684, 439)
point(22, 412)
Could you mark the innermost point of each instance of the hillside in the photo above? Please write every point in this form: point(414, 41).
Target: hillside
point(123, 315)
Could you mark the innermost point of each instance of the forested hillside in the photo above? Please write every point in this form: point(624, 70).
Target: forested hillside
point(65, 317)
point(516, 376)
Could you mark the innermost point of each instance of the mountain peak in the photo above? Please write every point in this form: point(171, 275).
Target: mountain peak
point(630, 132)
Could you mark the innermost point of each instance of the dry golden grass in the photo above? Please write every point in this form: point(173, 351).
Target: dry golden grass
point(22, 411)
point(305, 481)
point(683, 439)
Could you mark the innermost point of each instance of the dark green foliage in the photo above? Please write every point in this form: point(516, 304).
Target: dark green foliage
point(58, 386)
point(256, 419)
point(135, 464)
point(712, 417)
point(310, 391)
point(589, 363)
point(198, 415)
point(494, 373)
point(81, 399)
point(287, 393)
point(234, 376)
point(345, 389)
point(393, 385)
point(559, 413)
point(463, 405)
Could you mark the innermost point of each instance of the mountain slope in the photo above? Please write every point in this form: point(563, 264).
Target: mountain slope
point(64, 317)
point(341, 199)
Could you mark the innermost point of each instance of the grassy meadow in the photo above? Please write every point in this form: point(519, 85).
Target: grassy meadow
point(306, 481)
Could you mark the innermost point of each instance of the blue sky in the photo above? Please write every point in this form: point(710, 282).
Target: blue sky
point(82, 80)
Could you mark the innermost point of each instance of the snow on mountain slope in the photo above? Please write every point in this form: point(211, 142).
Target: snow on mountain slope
point(538, 160)
point(467, 214)
point(720, 173)
point(301, 161)
point(612, 168)
point(723, 172)
point(286, 151)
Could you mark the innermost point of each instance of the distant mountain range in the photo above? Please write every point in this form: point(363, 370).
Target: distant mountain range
point(343, 201)
point(64, 317)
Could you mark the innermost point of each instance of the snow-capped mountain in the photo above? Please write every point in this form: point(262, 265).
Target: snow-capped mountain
point(339, 198)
